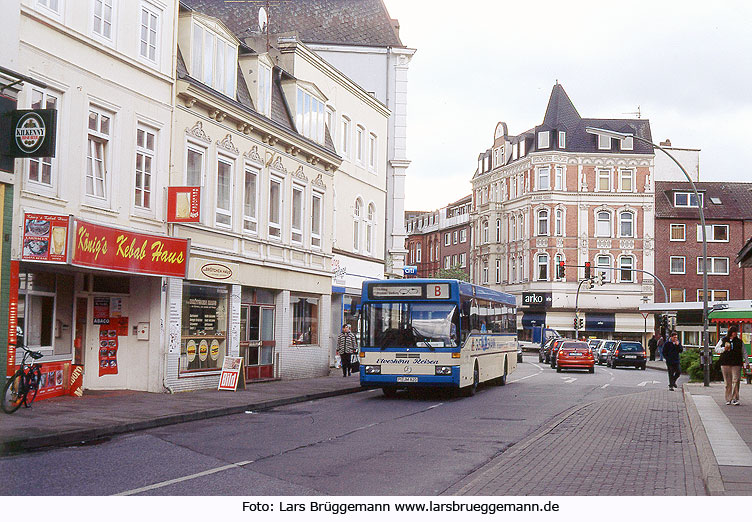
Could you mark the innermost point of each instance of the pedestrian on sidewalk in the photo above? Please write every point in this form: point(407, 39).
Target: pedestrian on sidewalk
point(661, 342)
point(731, 364)
point(347, 345)
point(671, 350)
point(653, 346)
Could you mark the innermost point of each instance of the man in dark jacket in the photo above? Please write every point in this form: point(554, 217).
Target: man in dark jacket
point(671, 350)
point(731, 364)
point(653, 346)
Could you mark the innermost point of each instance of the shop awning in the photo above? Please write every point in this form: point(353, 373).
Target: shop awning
point(530, 319)
point(599, 322)
point(730, 316)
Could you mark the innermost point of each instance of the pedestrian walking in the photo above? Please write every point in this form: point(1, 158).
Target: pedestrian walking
point(661, 342)
point(731, 360)
point(653, 346)
point(347, 345)
point(671, 350)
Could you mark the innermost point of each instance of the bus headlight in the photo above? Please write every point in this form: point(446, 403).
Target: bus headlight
point(443, 370)
point(373, 369)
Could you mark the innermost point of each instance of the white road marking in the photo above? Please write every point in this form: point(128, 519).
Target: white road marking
point(643, 383)
point(569, 380)
point(728, 446)
point(182, 479)
point(540, 370)
point(434, 406)
point(605, 385)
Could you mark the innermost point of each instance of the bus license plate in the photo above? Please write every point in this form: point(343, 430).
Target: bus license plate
point(407, 379)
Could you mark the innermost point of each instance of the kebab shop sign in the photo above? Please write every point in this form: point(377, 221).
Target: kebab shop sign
point(97, 246)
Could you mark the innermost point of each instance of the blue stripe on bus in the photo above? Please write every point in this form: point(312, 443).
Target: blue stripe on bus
point(370, 380)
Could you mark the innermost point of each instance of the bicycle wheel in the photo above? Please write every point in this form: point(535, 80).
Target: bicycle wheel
point(34, 377)
point(13, 393)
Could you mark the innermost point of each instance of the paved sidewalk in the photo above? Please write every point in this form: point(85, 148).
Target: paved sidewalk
point(638, 444)
point(71, 420)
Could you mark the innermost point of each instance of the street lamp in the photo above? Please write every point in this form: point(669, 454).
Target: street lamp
point(623, 135)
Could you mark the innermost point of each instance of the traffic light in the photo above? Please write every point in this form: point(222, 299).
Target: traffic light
point(587, 269)
point(575, 323)
point(560, 270)
point(581, 323)
point(590, 284)
point(664, 323)
point(600, 278)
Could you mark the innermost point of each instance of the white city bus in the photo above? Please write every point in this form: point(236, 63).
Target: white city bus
point(435, 333)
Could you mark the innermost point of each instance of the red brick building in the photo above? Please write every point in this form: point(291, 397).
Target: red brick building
point(728, 218)
point(439, 239)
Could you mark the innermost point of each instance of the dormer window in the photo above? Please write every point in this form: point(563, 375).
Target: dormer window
point(544, 139)
point(686, 199)
point(604, 142)
point(214, 60)
point(310, 116)
point(522, 148)
point(264, 89)
point(562, 140)
point(627, 143)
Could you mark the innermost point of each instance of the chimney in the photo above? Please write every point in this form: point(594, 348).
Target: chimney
point(666, 143)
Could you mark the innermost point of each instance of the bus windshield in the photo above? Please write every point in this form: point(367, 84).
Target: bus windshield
point(410, 325)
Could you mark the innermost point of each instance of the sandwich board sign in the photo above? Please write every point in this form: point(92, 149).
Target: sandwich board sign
point(232, 372)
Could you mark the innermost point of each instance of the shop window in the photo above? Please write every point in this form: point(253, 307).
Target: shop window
point(305, 320)
point(204, 327)
point(44, 306)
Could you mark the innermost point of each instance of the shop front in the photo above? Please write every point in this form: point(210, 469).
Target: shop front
point(89, 298)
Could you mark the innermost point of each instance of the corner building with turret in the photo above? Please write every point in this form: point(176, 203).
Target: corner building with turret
point(556, 193)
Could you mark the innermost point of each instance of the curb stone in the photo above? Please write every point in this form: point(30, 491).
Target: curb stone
point(711, 473)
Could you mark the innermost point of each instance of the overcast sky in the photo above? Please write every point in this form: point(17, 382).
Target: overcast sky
point(687, 65)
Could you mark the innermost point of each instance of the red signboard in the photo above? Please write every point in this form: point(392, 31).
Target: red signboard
point(98, 246)
point(55, 380)
point(45, 238)
point(183, 204)
point(108, 346)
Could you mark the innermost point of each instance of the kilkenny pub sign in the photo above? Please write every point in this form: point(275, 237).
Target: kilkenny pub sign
point(33, 133)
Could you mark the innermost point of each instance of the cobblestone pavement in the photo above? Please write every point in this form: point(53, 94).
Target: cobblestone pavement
point(638, 444)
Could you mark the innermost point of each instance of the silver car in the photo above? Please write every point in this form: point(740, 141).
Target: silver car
point(602, 350)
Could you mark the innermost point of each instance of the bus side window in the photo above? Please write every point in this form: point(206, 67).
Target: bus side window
point(465, 319)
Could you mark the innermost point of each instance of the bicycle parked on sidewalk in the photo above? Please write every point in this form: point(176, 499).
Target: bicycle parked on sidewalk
point(22, 386)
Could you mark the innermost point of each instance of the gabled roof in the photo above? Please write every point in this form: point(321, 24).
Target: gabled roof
point(346, 22)
point(735, 198)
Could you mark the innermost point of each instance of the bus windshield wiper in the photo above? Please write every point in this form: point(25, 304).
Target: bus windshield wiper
point(422, 337)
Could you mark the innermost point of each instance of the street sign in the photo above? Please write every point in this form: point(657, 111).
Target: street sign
point(539, 299)
point(33, 133)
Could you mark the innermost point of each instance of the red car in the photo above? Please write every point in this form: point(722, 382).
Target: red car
point(576, 355)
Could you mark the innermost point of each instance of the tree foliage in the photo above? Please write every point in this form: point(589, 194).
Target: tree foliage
point(452, 273)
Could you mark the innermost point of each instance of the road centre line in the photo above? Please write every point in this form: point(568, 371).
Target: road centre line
point(540, 370)
point(182, 479)
point(605, 385)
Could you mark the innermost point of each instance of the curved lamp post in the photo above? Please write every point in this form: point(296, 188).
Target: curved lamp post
point(706, 349)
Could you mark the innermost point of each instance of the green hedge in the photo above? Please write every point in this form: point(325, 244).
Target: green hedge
point(690, 364)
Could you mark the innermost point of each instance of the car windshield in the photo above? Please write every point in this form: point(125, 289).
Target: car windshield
point(608, 345)
point(630, 347)
point(408, 325)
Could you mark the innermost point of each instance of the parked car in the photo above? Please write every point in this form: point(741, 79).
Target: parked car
point(555, 349)
point(544, 354)
point(593, 343)
point(627, 353)
point(602, 350)
point(575, 355)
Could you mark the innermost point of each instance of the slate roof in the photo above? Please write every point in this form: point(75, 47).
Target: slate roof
point(735, 197)
point(346, 22)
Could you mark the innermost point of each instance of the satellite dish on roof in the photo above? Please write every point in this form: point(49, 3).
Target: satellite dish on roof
point(262, 19)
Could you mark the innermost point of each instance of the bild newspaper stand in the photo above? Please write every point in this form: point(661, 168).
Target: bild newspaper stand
point(232, 374)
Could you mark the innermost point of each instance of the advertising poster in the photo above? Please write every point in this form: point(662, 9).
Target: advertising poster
point(231, 373)
point(183, 204)
point(12, 318)
point(120, 324)
point(101, 310)
point(54, 381)
point(108, 346)
point(45, 238)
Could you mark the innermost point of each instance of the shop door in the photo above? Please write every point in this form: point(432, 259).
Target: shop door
point(257, 341)
point(106, 358)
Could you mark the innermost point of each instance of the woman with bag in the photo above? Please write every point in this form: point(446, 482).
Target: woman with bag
point(347, 345)
point(731, 364)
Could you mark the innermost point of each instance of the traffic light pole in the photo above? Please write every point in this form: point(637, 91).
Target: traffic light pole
point(577, 310)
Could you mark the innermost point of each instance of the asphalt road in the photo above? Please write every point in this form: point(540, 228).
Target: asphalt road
point(359, 444)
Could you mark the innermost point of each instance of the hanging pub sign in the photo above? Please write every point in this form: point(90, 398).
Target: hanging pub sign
point(183, 204)
point(108, 248)
point(33, 133)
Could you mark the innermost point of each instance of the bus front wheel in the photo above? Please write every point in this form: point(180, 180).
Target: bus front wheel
point(389, 392)
point(470, 390)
